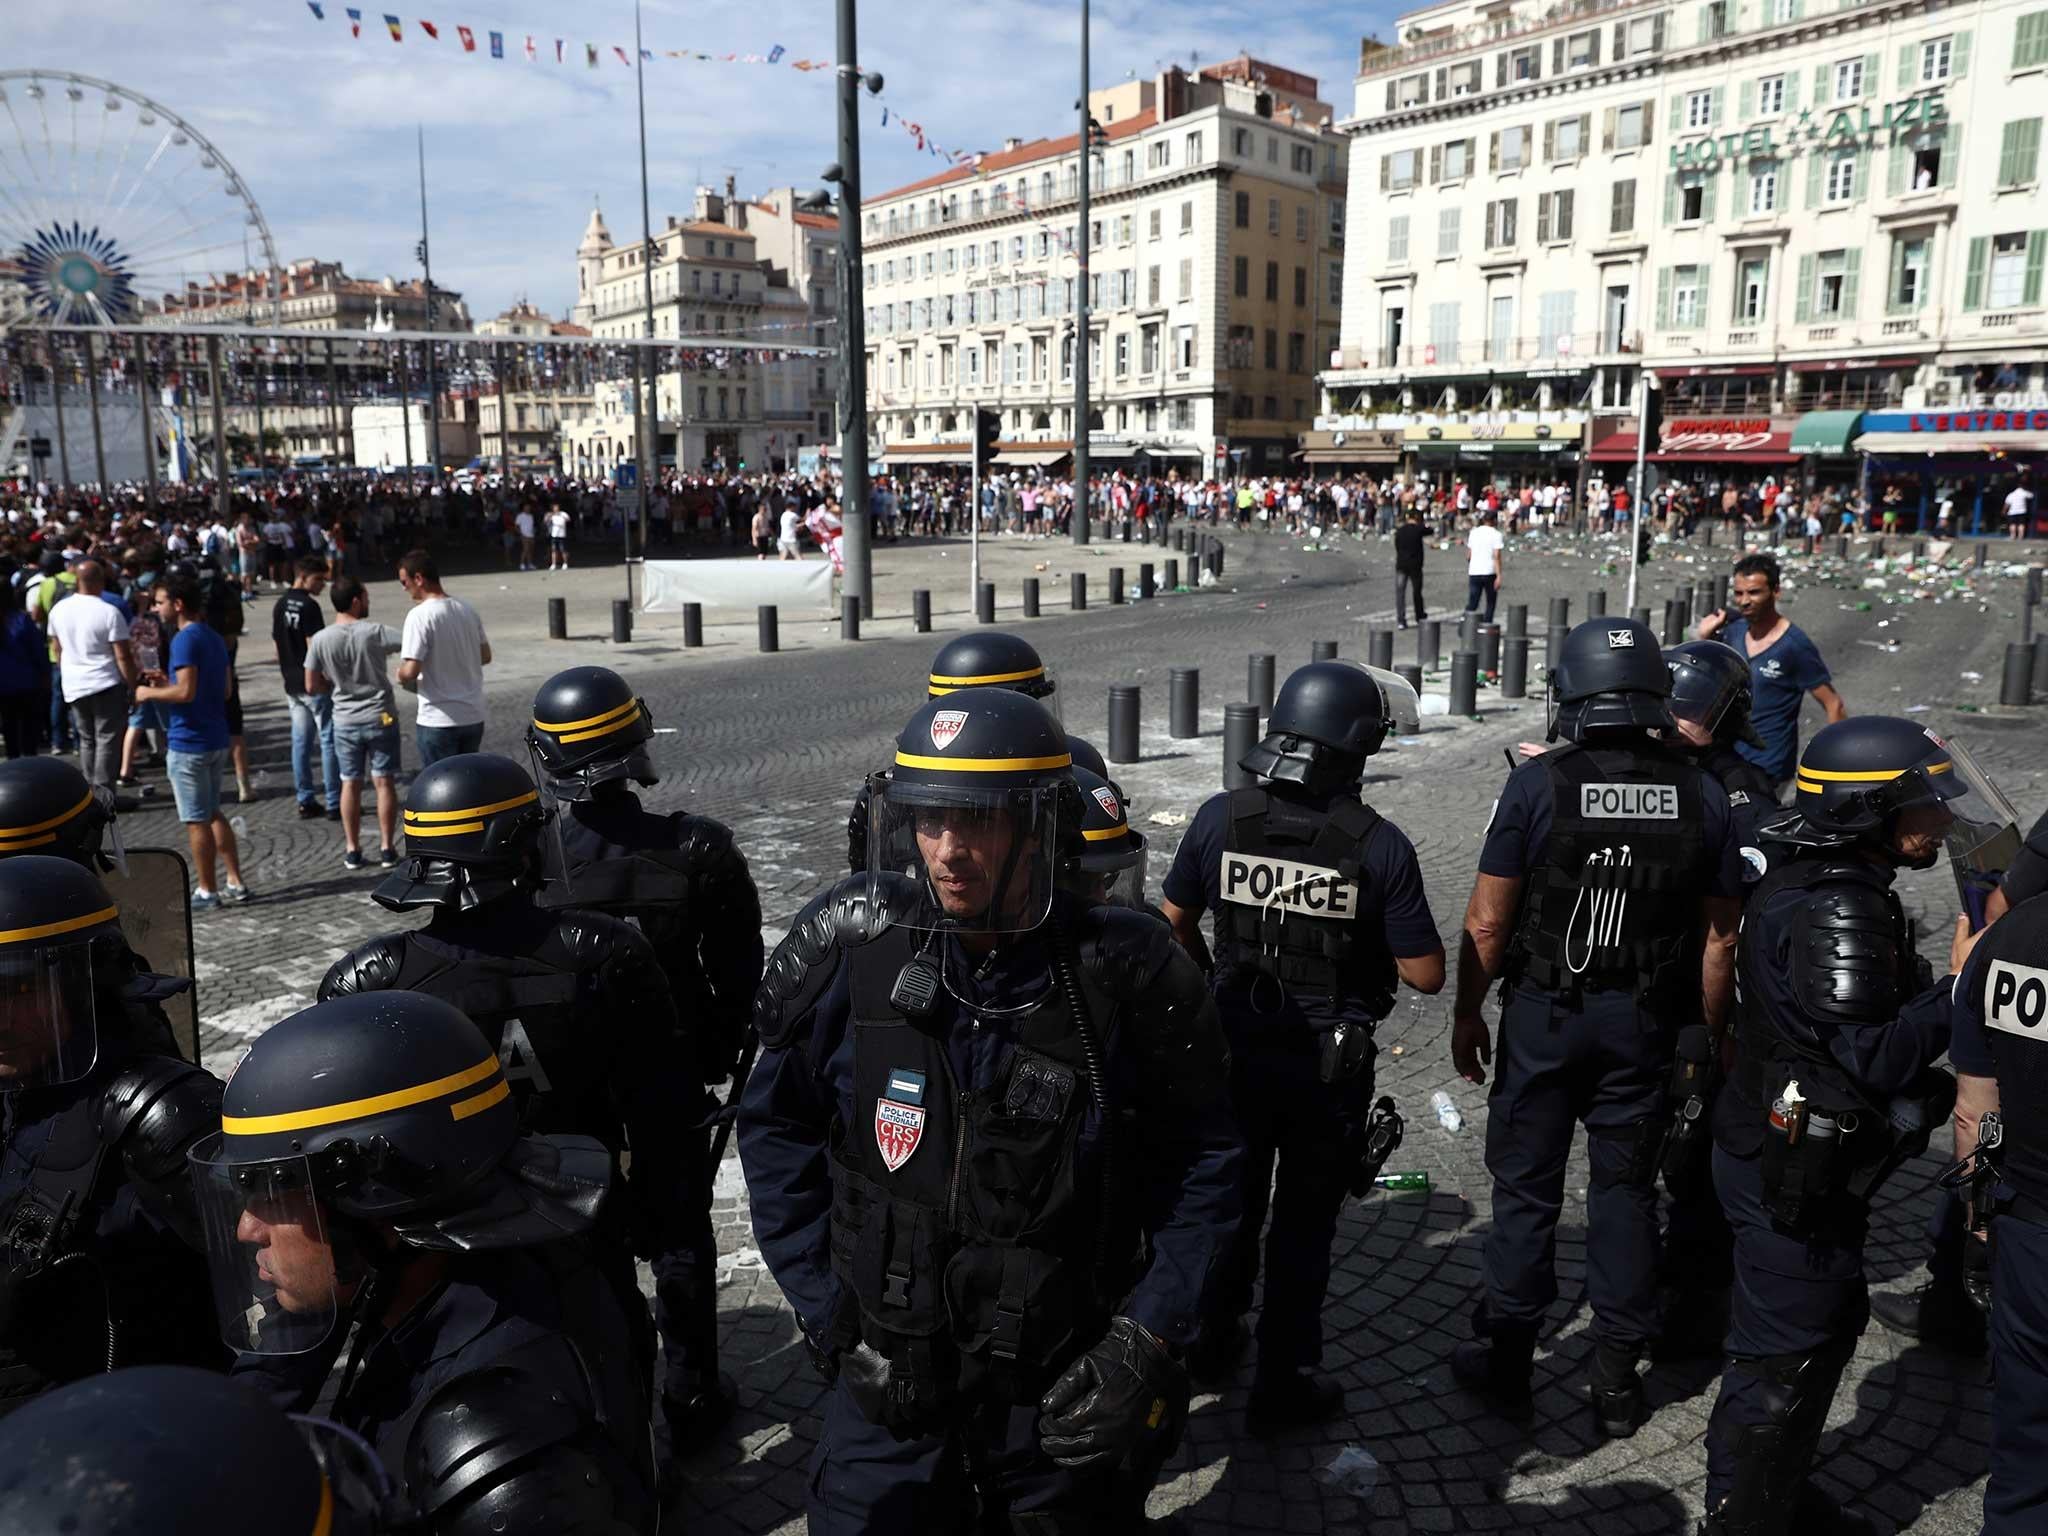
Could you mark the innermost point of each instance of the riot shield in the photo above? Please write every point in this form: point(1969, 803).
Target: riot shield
point(1985, 836)
point(156, 918)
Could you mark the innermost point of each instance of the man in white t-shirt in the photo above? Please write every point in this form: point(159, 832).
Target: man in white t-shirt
point(442, 660)
point(786, 545)
point(2019, 512)
point(558, 539)
point(96, 665)
point(1483, 547)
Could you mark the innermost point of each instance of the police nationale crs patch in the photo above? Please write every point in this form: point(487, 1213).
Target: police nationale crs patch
point(946, 725)
point(1106, 798)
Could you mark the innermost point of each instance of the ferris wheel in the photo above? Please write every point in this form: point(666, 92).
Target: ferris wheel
point(109, 199)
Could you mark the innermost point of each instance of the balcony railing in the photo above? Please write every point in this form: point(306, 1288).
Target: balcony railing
point(1560, 351)
point(1375, 60)
point(1066, 189)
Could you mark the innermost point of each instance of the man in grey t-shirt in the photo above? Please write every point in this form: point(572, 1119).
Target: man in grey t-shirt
point(350, 659)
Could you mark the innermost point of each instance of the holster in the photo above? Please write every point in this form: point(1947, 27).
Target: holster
point(1695, 1079)
point(1369, 1144)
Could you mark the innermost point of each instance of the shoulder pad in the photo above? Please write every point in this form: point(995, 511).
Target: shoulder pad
point(706, 845)
point(805, 961)
point(1134, 959)
point(1846, 951)
point(154, 1108)
point(371, 967)
point(499, 1450)
point(592, 938)
point(1121, 950)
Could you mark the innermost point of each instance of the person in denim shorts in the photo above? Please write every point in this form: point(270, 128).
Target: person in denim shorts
point(193, 689)
point(350, 660)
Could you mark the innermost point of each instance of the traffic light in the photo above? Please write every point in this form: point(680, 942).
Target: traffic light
point(988, 426)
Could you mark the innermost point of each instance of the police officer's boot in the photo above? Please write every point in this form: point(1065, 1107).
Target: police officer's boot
point(1617, 1392)
point(692, 1419)
point(1939, 1313)
point(1498, 1367)
point(1215, 1354)
point(1287, 1398)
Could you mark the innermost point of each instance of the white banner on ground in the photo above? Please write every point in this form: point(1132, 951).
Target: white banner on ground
point(736, 584)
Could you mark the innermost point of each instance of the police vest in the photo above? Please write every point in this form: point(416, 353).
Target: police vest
point(961, 1224)
point(1615, 905)
point(1293, 902)
point(2011, 994)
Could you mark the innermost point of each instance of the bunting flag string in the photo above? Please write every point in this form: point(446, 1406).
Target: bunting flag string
point(776, 56)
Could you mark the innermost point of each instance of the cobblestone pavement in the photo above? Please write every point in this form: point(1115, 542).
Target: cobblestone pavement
point(774, 745)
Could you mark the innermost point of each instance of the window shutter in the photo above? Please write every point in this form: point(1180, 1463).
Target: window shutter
point(1802, 308)
point(1543, 218)
point(1973, 283)
point(1706, 25)
point(1386, 171)
point(1621, 40)
point(1816, 170)
point(1549, 142)
point(1895, 169)
point(2030, 148)
point(1557, 56)
point(1491, 210)
point(1908, 52)
point(2037, 252)
point(1895, 278)
point(1392, 101)
point(1443, 84)
point(1677, 113)
point(1719, 108)
point(1493, 150)
point(1746, 100)
point(1650, 109)
point(1607, 129)
point(1951, 152)
point(1670, 200)
point(1536, 63)
point(1585, 133)
point(1704, 273)
point(1709, 180)
point(1820, 85)
point(2008, 159)
point(1500, 71)
point(1663, 298)
point(1791, 91)
point(1436, 163)
point(1871, 64)
point(1852, 275)
point(1596, 46)
point(1657, 33)
point(1798, 10)
point(1959, 57)
point(1862, 188)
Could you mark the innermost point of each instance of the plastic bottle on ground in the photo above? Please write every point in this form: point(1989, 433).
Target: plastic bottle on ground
point(1447, 1114)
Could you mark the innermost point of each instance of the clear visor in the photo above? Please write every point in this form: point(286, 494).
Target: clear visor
point(1113, 881)
point(1404, 709)
point(965, 860)
point(48, 1028)
point(274, 1286)
point(1985, 836)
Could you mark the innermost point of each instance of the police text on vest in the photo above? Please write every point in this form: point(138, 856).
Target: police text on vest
point(1628, 802)
point(1257, 882)
point(2016, 998)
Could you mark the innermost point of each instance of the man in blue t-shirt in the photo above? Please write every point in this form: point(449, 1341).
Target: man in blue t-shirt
point(1784, 665)
point(193, 690)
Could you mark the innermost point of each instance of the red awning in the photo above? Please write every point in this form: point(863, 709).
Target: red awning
point(1715, 371)
point(1620, 448)
point(1616, 447)
point(1757, 456)
point(1844, 365)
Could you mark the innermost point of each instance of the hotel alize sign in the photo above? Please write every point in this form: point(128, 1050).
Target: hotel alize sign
point(1842, 128)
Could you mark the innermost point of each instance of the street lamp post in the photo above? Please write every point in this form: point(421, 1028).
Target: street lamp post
point(856, 545)
point(433, 314)
point(648, 415)
point(1081, 498)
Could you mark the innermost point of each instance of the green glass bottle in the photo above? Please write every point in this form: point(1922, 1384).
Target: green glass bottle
point(1404, 1182)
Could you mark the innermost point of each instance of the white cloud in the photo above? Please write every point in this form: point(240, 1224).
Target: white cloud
point(321, 126)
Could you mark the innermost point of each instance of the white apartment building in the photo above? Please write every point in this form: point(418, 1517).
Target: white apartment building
point(1215, 241)
point(1790, 210)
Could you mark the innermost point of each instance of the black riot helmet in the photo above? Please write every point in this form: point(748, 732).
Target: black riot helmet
point(590, 728)
point(966, 830)
point(1609, 680)
point(472, 832)
point(991, 659)
point(1106, 861)
point(1329, 718)
point(46, 806)
point(63, 962)
point(373, 1109)
point(142, 1452)
point(1710, 686)
point(1085, 756)
point(1857, 775)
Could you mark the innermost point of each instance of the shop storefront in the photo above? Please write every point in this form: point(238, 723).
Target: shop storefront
point(1370, 452)
point(1708, 453)
point(1825, 442)
point(1974, 455)
point(1506, 454)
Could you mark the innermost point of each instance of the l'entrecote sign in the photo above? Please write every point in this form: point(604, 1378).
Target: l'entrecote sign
point(1843, 128)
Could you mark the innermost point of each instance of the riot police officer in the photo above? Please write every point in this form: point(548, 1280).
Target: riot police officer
point(1832, 1088)
point(976, 1097)
point(1319, 915)
point(1108, 863)
point(1711, 697)
point(574, 1003)
point(979, 659)
point(48, 807)
point(681, 881)
point(1607, 896)
point(144, 1449)
point(99, 1242)
point(368, 1174)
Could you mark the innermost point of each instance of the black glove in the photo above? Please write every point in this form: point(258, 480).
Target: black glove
point(884, 1398)
point(1347, 1050)
point(1106, 1400)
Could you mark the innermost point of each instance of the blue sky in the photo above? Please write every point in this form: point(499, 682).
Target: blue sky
point(321, 126)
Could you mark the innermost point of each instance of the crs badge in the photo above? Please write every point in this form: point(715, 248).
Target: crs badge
point(899, 1118)
point(946, 725)
point(1106, 798)
point(1620, 639)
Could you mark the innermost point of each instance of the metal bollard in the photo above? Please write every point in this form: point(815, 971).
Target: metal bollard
point(1464, 683)
point(1642, 617)
point(558, 618)
point(1977, 560)
point(1707, 535)
point(1126, 531)
point(1560, 612)
point(1489, 648)
point(849, 616)
point(1145, 580)
point(2033, 596)
point(1216, 560)
point(1553, 647)
point(1116, 584)
point(1842, 547)
point(921, 610)
point(1180, 540)
point(764, 618)
point(1877, 549)
point(1919, 549)
point(693, 626)
point(1184, 702)
point(1777, 535)
point(1809, 544)
point(985, 603)
point(1240, 735)
point(1123, 722)
point(1258, 684)
point(1030, 597)
point(1468, 631)
point(1721, 591)
point(1514, 668)
point(1596, 603)
point(1380, 646)
point(2041, 661)
point(1674, 631)
point(1322, 650)
point(1518, 621)
point(2017, 686)
point(622, 621)
point(1411, 674)
point(1429, 642)
point(1173, 575)
point(1077, 592)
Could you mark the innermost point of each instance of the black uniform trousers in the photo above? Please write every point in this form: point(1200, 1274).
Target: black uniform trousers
point(685, 1266)
point(1603, 1064)
point(1699, 1247)
point(1294, 1125)
point(864, 1479)
point(2016, 1498)
point(1796, 1298)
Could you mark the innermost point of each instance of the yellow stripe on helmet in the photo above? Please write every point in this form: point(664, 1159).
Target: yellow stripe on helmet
point(44, 826)
point(985, 764)
point(457, 830)
point(358, 1109)
point(1868, 776)
point(67, 925)
point(476, 810)
point(1104, 834)
point(629, 707)
point(941, 684)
